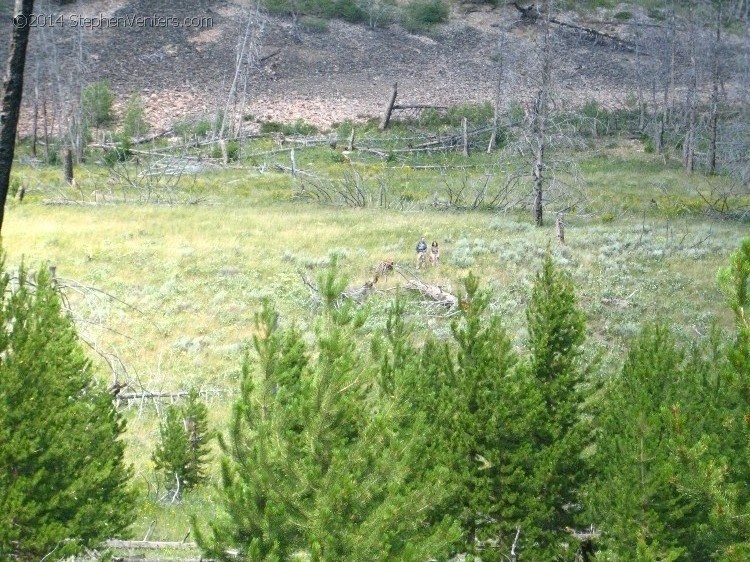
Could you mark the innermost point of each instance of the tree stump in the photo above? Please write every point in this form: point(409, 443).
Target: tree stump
point(560, 229)
point(68, 165)
point(389, 108)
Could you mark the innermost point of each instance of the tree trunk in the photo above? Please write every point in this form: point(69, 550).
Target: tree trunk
point(35, 124)
point(389, 108)
point(688, 147)
point(46, 130)
point(639, 79)
point(68, 165)
point(12, 92)
point(465, 127)
point(540, 124)
point(498, 86)
point(560, 229)
point(714, 118)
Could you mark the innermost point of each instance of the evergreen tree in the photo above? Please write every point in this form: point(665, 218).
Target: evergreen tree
point(556, 328)
point(475, 411)
point(735, 434)
point(312, 464)
point(651, 494)
point(182, 452)
point(63, 482)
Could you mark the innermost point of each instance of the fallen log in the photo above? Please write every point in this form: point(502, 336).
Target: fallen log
point(151, 545)
point(157, 395)
point(433, 293)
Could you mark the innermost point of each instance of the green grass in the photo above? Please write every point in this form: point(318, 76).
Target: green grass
point(193, 275)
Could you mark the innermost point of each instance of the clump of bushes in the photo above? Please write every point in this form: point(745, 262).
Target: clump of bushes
point(97, 100)
point(347, 10)
point(421, 15)
point(134, 122)
point(313, 24)
point(299, 127)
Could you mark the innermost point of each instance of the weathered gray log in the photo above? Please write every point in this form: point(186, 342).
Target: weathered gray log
point(433, 292)
point(156, 395)
point(389, 108)
point(151, 545)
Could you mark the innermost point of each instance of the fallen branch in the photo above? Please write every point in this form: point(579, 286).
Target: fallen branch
point(433, 293)
point(151, 545)
point(156, 395)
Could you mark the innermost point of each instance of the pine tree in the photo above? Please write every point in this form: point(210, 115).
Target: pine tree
point(63, 481)
point(311, 464)
point(735, 437)
point(475, 411)
point(556, 328)
point(646, 495)
point(182, 453)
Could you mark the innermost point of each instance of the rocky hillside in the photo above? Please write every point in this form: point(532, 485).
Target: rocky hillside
point(320, 75)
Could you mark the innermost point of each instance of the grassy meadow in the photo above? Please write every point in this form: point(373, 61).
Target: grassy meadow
point(170, 290)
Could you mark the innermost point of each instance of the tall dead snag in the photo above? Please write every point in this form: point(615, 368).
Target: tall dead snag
point(465, 128)
point(501, 70)
point(12, 92)
point(539, 120)
point(389, 108)
point(715, 77)
point(691, 113)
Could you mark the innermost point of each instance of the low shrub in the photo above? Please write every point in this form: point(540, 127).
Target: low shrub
point(97, 100)
point(299, 127)
point(421, 15)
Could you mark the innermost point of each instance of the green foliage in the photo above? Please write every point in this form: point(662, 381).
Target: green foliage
point(556, 328)
point(311, 465)
point(299, 127)
point(134, 122)
point(119, 153)
point(63, 482)
point(182, 452)
point(15, 185)
point(475, 412)
point(347, 10)
point(653, 414)
point(97, 100)
point(233, 151)
point(312, 24)
point(378, 12)
point(419, 16)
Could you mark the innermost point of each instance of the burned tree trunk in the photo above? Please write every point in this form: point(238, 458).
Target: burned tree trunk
point(68, 165)
point(12, 92)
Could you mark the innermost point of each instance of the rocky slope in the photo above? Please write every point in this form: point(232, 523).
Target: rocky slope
point(325, 77)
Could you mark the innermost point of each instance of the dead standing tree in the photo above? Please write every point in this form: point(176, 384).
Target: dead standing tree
point(539, 116)
point(12, 93)
point(247, 58)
